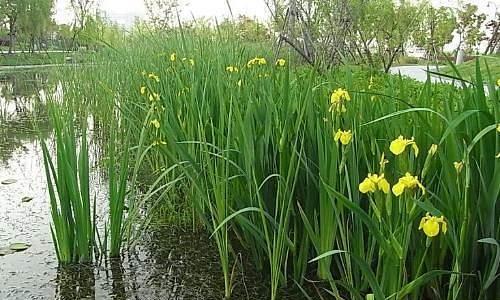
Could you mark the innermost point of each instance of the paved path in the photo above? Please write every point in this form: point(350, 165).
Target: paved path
point(418, 73)
point(11, 68)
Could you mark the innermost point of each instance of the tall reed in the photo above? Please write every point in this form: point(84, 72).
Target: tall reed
point(282, 160)
point(73, 223)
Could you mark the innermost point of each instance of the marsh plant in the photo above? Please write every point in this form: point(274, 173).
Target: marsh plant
point(74, 212)
point(383, 187)
point(67, 172)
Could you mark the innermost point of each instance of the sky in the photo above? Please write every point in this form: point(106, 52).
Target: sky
point(125, 11)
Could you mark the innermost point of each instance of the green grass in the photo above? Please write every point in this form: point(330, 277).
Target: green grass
point(253, 155)
point(468, 69)
point(41, 58)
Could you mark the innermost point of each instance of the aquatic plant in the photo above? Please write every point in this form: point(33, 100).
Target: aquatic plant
point(315, 172)
point(118, 172)
point(73, 223)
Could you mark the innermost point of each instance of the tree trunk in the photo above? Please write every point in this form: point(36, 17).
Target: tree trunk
point(12, 32)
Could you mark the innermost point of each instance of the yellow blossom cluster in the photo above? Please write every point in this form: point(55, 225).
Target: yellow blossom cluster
point(374, 182)
point(338, 99)
point(256, 61)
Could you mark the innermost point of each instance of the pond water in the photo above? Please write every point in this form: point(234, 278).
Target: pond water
point(168, 263)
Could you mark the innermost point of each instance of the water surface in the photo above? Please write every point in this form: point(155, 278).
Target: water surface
point(167, 263)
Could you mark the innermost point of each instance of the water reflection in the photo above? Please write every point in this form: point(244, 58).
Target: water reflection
point(117, 279)
point(20, 107)
point(75, 282)
point(167, 263)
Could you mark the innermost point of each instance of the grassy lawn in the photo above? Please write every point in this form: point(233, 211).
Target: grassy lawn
point(468, 69)
point(20, 59)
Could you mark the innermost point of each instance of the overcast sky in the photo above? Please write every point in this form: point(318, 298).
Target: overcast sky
point(125, 11)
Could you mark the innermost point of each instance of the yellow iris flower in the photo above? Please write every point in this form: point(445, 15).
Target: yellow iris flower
point(433, 149)
point(154, 77)
point(143, 90)
point(159, 142)
point(280, 62)
point(431, 225)
point(373, 183)
point(399, 145)
point(407, 182)
point(256, 61)
point(337, 100)
point(173, 56)
point(232, 69)
point(459, 165)
point(498, 81)
point(191, 61)
point(345, 137)
point(154, 97)
point(155, 123)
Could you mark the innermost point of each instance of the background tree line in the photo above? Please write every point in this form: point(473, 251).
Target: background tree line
point(29, 25)
point(373, 32)
point(377, 32)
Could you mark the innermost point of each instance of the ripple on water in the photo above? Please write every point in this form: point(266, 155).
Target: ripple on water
point(168, 263)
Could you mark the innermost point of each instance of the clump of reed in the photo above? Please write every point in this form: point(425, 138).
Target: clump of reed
point(385, 187)
point(73, 225)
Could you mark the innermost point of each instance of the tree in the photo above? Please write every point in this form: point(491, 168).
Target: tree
point(383, 28)
point(435, 31)
point(98, 29)
point(36, 20)
point(469, 23)
point(161, 12)
point(332, 32)
point(245, 28)
point(11, 10)
point(494, 41)
point(83, 11)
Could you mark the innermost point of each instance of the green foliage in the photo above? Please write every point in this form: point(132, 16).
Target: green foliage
point(253, 154)
point(245, 29)
point(30, 18)
point(435, 30)
point(73, 224)
point(118, 172)
point(469, 23)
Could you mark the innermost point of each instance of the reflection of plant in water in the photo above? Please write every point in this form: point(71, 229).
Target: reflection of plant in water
point(117, 278)
point(75, 282)
point(22, 114)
